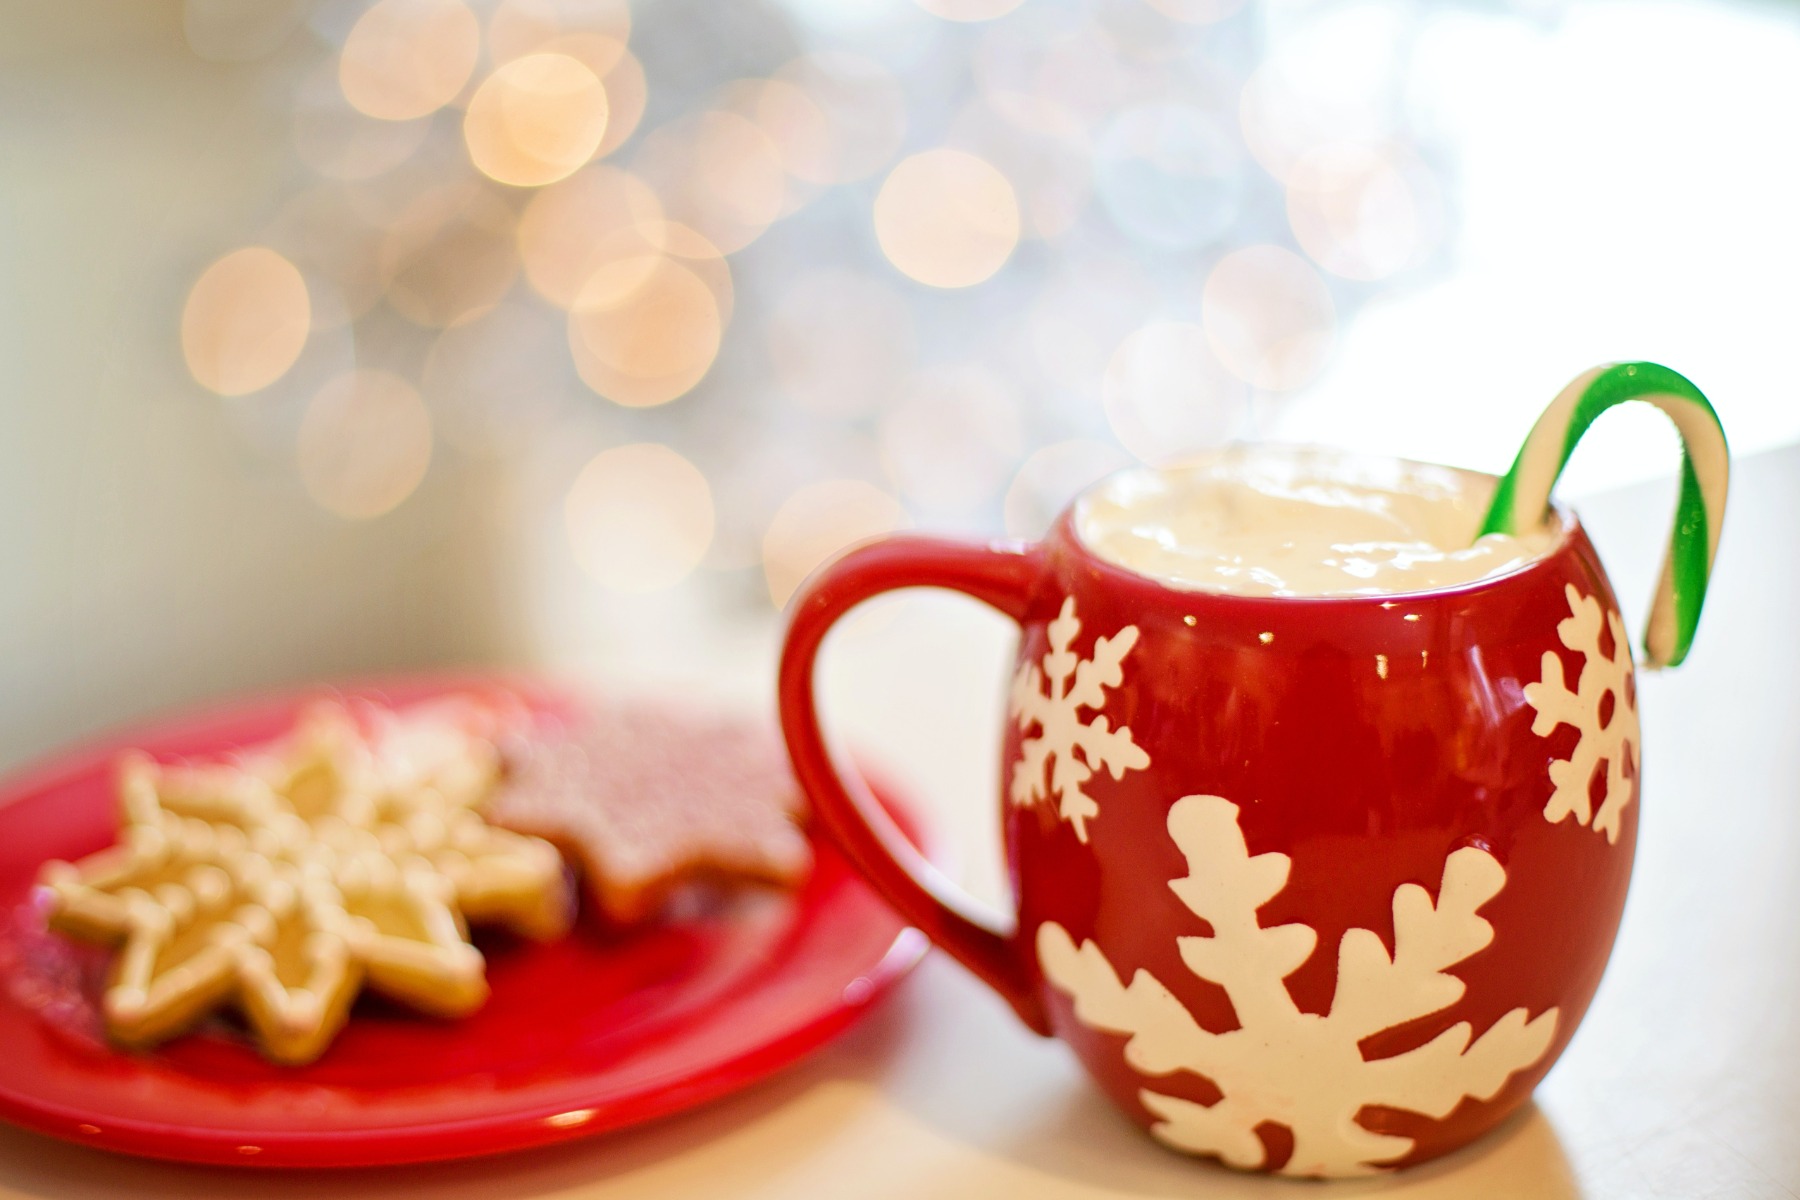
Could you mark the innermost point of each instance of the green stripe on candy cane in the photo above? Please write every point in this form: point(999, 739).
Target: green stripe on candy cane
point(1523, 495)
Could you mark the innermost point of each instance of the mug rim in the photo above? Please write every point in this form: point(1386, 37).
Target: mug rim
point(1066, 529)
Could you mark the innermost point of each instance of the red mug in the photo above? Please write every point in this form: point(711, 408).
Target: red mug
point(1314, 885)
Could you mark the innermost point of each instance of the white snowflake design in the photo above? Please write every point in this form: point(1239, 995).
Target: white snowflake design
point(1607, 740)
point(1051, 699)
point(1298, 1069)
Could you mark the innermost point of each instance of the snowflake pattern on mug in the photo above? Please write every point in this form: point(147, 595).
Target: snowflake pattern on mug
point(1051, 697)
point(1305, 1071)
point(1602, 709)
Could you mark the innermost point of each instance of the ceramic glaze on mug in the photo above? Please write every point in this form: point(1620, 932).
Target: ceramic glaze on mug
point(1314, 884)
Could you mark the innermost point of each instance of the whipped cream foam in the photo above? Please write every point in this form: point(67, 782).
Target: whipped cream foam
point(1292, 521)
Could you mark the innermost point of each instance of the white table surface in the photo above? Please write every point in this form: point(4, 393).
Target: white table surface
point(1681, 1082)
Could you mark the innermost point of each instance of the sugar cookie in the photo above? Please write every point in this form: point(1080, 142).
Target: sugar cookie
point(647, 798)
point(286, 879)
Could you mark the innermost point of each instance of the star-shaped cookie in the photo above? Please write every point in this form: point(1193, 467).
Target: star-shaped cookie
point(646, 797)
point(285, 880)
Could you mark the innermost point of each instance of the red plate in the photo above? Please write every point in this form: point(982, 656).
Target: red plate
point(580, 1036)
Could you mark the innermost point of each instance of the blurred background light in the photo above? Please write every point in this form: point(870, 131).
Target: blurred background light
point(953, 261)
point(364, 444)
point(1050, 70)
point(497, 384)
point(985, 250)
point(627, 91)
point(1167, 396)
point(1081, 314)
point(951, 440)
point(1196, 12)
point(947, 218)
point(570, 229)
point(644, 330)
point(408, 58)
point(535, 120)
point(1051, 477)
point(1364, 211)
point(1051, 175)
point(1269, 317)
point(516, 28)
point(329, 238)
point(1336, 78)
point(840, 343)
point(820, 521)
point(1170, 175)
point(969, 10)
point(718, 173)
point(339, 141)
point(862, 114)
point(639, 518)
point(797, 129)
point(245, 322)
point(449, 255)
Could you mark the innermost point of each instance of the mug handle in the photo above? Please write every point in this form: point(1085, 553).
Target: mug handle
point(1000, 574)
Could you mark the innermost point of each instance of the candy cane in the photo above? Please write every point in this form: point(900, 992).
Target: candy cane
point(1524, 493)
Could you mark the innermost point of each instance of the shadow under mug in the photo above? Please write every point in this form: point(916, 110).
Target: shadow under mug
point(1316, 885)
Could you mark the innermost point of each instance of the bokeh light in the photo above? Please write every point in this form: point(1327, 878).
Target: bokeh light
point(610, 262)
point(339, 142)
point(409, 58)
point(1332, 81)
point(795, 126)
point(1082, 313)
point(572, 228)
point(1071, 223)
point(819, 521)
point(771, 458)
point(644, 330)
point(694, 252)
point(952, 440)
point(1052, 176)
point(600, 53)
point(520, 27)
point(840, 343)
point(450, 255)
point(864, 113)
point(1046, 71)
point(516, 28)
point(947, 218)
point(497, 383)
point(969, 10)
point(1167, 396)
point(1170, 175)
point(718, 173)
point(246, 320)
point(639, 518)
point(365, 443)
point(1053, 476)
point(1363, 212)
point(1145, 37)
point(627, 93)
point(535, 120)
point(1269, 317)
point(1196, 12)
point(330, 240)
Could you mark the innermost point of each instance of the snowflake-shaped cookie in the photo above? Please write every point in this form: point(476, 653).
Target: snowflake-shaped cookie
point(1602, 709)
point(1051, 698)
point(284, 881)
